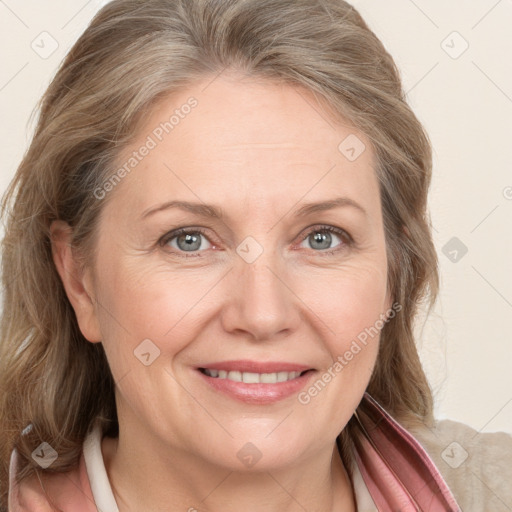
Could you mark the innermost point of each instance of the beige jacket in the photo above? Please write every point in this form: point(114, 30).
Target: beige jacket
point(476, 466)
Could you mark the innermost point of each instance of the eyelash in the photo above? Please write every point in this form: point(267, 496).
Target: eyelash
point(347, 240)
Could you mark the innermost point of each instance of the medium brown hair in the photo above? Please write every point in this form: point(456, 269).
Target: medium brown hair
point(133, 53)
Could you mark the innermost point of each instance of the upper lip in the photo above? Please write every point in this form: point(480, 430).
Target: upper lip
point(256, 366)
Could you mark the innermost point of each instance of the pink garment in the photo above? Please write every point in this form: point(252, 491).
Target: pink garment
point(397, 471)
point(66, 492)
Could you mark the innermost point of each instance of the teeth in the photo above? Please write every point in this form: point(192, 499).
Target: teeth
point(236, 376)
point(268, 378)
point(282, 376)
point(252, 378)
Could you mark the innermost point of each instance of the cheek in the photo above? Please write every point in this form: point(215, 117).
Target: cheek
point(138, 302)
point(359, 308)
point(347, 301)
point(353, 311)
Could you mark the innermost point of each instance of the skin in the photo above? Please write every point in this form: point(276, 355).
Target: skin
point(259, 151)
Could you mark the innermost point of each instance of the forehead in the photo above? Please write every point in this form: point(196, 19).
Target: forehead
point(248, 144)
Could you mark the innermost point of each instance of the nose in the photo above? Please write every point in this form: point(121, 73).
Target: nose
point(261, 304)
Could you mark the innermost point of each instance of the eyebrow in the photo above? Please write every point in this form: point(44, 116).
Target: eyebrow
point(215, 212)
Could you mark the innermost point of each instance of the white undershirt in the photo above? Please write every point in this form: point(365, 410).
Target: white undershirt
point(104, 497)
point(98, 478)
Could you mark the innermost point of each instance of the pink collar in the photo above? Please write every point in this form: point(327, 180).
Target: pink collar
point(397, 470)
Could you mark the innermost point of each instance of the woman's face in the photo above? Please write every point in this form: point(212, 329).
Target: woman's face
point(263, 284)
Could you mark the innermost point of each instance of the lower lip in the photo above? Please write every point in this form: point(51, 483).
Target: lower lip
point(258, 393)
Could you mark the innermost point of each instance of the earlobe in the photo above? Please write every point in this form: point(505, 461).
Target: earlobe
point(76, 283)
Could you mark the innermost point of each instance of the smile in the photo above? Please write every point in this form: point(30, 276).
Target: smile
point(255, 382)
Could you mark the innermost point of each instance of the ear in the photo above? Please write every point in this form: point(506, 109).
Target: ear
point(78, 284)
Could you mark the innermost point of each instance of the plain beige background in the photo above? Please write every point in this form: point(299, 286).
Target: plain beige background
point(455, 59)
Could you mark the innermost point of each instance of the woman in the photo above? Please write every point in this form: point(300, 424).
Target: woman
point(173, 337)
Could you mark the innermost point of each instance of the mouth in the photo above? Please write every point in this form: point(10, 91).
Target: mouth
point(254, 382)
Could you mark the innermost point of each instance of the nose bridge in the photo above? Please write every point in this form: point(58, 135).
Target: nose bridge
point(258, 271)
point(263, 278)
point(261, 303)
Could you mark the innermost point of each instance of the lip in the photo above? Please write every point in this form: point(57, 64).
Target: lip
point(258, 394)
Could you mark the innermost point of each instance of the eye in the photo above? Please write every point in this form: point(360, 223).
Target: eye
point(194, 241)
point(185, 240)
point(321, 237)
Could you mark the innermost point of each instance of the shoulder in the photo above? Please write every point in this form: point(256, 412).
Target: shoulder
point(476, 466)
point(51, 492)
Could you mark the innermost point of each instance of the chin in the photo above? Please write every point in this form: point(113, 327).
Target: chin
point(268, 451)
